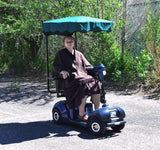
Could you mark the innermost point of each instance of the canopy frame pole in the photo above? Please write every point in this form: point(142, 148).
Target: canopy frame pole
point(75, 35)
point(47, 64)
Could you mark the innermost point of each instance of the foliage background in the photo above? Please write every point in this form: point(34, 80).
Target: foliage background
point(22, 43)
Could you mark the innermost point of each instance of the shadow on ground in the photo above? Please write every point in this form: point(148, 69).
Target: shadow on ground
point(21, 132)
point(25, 92)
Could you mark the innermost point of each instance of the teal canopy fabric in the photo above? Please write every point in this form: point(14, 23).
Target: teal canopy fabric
point(69, 25)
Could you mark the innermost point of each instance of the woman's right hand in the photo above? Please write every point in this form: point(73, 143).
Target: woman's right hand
point(65, 74)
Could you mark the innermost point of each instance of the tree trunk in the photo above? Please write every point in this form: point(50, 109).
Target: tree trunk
point(97, 8)
point(123, 28)
point(34, 43)
point(102, 8)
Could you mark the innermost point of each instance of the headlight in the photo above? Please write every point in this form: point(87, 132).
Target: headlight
point(104, 72)
point(113, 114)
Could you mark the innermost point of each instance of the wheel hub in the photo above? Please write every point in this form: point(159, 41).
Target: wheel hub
point(56, 116)
point(95, 127)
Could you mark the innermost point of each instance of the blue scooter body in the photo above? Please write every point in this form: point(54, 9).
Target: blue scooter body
point(110, 115)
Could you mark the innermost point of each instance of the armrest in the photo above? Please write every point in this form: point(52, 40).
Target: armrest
point(55, 77)
point(91, 71)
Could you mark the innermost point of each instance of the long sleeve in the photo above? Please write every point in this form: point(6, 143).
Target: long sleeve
point(85, 62)
point(58, 64)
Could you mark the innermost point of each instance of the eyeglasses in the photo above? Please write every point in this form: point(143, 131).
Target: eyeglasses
point(68, 42)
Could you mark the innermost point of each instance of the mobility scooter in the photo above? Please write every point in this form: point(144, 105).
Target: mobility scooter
point(98, 120)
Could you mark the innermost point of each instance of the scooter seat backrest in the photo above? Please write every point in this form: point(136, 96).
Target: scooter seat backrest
point(60, 87)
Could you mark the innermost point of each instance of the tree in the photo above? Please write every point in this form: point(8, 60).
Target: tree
point(21, 24)
point(150, 35)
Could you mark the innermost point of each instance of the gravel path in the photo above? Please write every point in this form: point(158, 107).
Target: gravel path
point(26, 121)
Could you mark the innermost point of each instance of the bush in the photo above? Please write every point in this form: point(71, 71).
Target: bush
point(122, 68)
point(150, 37)
point(39, 64)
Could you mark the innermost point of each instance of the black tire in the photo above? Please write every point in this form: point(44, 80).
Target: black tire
point(57, 116)
point(118, 127)
point(96, 126)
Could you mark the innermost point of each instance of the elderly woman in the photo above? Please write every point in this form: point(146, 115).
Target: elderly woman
point(78, 84)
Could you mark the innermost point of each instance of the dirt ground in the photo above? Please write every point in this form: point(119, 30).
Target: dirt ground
point(147, 90)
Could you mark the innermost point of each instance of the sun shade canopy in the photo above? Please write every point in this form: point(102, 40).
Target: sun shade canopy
point(69, 25)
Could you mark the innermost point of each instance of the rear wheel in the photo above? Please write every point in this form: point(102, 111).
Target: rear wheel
point(96, 126)
point(57, 117)
point(118, 127)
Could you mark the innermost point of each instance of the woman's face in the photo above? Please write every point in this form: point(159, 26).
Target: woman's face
point(69, 43)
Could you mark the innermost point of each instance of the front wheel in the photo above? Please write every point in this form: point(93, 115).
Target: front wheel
point(96, 126)
point(57, 117)
point(118, 127)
